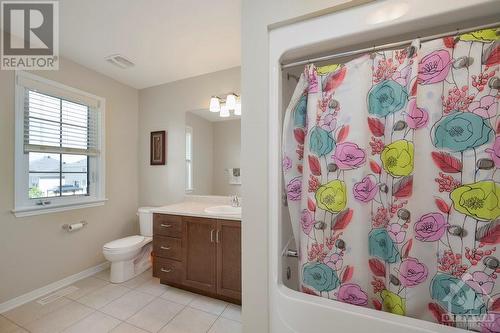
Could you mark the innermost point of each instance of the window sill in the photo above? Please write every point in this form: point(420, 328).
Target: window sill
point(32, 211)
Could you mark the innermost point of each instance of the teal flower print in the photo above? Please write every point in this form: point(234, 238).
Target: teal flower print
point(320, 276)
point(382, 246)
point(386, 97)
point(460, 131)
point(320, 141)
point(300, 112)
point(456, 296)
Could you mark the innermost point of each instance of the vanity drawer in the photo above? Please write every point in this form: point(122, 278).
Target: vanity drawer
point(167, 247)
point(168, 270)
point(167, 225)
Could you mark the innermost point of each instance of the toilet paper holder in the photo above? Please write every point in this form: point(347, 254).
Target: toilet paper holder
point(75, 226)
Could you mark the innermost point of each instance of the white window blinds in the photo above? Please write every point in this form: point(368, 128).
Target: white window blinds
point(57, 125)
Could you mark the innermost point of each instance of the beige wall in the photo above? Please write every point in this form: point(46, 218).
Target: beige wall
point(35, 251)
point(163, 108)
point(203, 154)
point(256, 16)
point(227, 148)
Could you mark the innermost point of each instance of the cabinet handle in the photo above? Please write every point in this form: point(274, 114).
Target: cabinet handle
point(212, 236)
point(166, 270)
point(165, 247)
point(217, 236)
point(165, 225)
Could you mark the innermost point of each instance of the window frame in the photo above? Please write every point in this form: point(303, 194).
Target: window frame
point(190, 174)
point(23, 205)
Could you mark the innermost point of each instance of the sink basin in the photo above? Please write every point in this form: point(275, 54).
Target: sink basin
point(223, 210)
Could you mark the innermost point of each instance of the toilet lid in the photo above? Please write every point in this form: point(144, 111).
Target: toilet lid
point(123, 243)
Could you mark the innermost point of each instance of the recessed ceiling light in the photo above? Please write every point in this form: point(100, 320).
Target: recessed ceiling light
point(119, 61)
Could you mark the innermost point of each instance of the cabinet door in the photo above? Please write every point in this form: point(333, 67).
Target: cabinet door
point(201, 253)
point(229, 259)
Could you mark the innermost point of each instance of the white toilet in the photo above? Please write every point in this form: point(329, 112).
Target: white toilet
point(131, 255)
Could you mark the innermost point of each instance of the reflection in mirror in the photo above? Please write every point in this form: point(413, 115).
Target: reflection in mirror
point(213, 147)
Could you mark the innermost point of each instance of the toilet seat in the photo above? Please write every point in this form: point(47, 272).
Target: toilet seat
point(125, 244)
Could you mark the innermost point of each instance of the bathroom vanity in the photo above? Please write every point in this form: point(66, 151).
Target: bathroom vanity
point(198, 251)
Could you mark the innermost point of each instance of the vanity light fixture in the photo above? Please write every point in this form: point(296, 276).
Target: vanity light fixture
point(224, 111)
point(237, 109)
point(231, 101)
point(214, 104)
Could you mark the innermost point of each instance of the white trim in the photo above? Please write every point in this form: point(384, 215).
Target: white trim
point(23, 206)
point(31, 211)
point(37, 293)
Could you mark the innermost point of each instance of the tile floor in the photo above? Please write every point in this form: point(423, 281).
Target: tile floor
point(139, 305)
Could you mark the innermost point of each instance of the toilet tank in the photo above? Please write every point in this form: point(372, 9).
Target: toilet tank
point(146, 221)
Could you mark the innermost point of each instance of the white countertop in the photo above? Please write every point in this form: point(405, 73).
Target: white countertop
point(195, 207)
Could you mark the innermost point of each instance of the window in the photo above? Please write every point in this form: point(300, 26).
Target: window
point(189, 159)
point(59, 157)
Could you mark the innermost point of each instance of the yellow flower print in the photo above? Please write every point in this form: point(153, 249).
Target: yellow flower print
point(393, 303)
point(485, 35)
point(478, 200)
point(397, 158)
point(332, 196)
point(328, 69)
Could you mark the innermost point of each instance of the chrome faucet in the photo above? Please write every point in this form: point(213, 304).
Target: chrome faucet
point(235, 201)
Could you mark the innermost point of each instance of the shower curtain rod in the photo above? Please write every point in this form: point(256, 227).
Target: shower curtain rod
point(386, 46)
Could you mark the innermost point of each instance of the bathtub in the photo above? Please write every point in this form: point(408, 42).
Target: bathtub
point(371, 24)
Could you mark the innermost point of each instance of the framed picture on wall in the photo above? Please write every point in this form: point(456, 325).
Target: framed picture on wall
point(158, 148)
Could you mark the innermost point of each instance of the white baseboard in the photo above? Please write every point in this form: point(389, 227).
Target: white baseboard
point(37, 293)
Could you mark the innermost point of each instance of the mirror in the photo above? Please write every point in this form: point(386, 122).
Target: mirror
point(213, 146)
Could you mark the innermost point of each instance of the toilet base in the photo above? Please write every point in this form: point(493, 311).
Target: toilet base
point(125, 270)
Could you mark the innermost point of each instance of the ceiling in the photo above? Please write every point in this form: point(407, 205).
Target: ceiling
point(214, 116)
point(167, 40)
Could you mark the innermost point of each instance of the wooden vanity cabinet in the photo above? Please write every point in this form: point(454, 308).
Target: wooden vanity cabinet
point(202, 255)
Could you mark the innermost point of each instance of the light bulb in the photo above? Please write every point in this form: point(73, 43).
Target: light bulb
point(237, 109)
point(231, 101)
point(214, 104)
point(224, 111)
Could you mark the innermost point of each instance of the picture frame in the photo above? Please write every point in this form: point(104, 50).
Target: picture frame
point(158, 145)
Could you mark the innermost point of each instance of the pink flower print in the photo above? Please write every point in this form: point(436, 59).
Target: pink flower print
point(495, 152)
point(480, 282)
point(457, 100)
point(412, 272)
point(397, 233)
point(366, 189)
point(385, 69)
point(402, 75)
point(294, 189)
point(313, 80)
point(351, 293)
point(491, 323)
point(306, 221)
point(287, 163)
point(334, 261)
point(328, 122)
point(316, 252)
point(349, 156)
point(377, 145)
point(416, 117)
point(430, 227)
point(434, 67)
point(486, 107)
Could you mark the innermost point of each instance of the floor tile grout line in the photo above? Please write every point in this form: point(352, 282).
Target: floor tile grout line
point(168, 322)
point(18, 325)
point(209, 328)
point(79, 320)
point(154, 298)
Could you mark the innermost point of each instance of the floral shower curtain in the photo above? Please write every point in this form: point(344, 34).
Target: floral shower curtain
point(390, 166)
